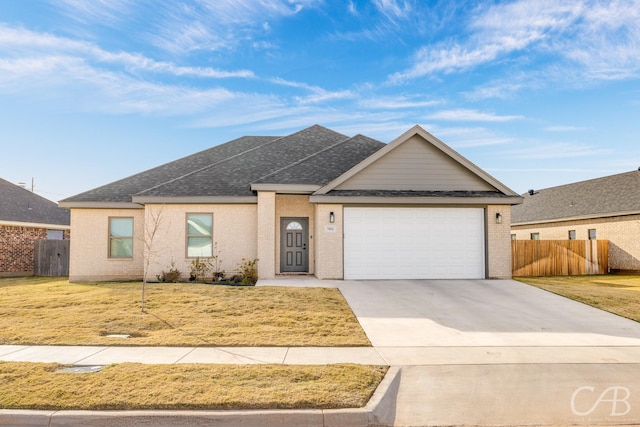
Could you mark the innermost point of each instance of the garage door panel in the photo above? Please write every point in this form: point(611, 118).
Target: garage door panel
point(413, 243)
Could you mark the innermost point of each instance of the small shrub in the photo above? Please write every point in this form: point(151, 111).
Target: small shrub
point(199, 270)
point(216, 264)
point(249, 271)
point(171, 276)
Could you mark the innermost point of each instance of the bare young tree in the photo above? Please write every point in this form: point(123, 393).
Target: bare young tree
point(152, 225)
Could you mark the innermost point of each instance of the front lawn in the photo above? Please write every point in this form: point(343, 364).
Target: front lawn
point(130, 386)
point(55, 312)
point(617, 294)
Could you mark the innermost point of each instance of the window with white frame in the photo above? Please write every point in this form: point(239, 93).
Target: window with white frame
point(535, 236)
point(199, 235)
point(120, 237)
point(592, 234)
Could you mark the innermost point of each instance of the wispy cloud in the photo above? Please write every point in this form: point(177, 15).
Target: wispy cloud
point(219, 24)
point(468, 115)
point(396, 102)
point(561, 128)
point(598, 38)
point(95, 11)
point(559, 150)
point(18, 42)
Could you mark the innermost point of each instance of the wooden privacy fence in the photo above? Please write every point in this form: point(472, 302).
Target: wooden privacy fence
point(559, 257)
point(51, 258)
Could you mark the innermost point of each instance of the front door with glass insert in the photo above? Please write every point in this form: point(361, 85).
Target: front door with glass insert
point(294, 236)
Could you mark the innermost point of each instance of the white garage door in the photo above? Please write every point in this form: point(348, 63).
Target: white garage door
point(414, 243)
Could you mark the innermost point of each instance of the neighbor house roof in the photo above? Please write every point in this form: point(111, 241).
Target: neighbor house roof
point(18, 205)
point(608, 196)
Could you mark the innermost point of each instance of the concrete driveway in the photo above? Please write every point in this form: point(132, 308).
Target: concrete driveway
point(498, 352)
point(454, 313)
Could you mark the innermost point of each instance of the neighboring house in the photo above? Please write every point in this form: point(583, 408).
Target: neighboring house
point(605, 208)
point(313, 202)
point(24, 218)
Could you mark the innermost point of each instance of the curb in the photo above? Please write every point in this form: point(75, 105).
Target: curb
point(379, 411)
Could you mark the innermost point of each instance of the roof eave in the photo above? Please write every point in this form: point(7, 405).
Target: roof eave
point(34, 225)
point(415, 200)
point(99, 205)
point(286, 188)
point(577, 218)
point(183, 200)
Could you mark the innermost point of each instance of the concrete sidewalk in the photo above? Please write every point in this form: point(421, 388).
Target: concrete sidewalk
point(102, 355)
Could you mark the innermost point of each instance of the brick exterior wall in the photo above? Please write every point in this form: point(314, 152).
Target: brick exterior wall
point(89, 251)
point(266, 234)
point(498, 242)
point(234, 236)
point(328, 242)
point(17, 248)
point(623, 233)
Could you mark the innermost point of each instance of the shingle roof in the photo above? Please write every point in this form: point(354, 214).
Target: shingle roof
point(20, 205)
point(230, 169)
point(596, 197)
point(122, 190)
point(323, 166)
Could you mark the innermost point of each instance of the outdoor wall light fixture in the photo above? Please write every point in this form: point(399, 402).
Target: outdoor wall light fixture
point(332, 217)
point(498, 218)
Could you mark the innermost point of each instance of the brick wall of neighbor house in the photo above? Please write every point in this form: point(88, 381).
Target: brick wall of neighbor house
point(328, 242)
point(294, 205)
point(89, 255)
point(17, 248)
point(266, 234)
point(498, 242)
point(623, 233)
point(234, 236)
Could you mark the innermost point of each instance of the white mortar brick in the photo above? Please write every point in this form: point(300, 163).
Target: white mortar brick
point(266, 234)
point(499, 242)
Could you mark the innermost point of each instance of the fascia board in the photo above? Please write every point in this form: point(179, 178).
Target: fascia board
point(34, 225)
point(286, 188)
point(414, 200)
point(100, 205)
point(195, 200)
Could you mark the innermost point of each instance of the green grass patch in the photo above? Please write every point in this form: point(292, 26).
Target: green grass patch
point(134, 386)
point(55, 312)
point(616, 294)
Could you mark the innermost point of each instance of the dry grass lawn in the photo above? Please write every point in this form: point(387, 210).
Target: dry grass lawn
point(56, 312)
point(135, 386)
point(617, 294)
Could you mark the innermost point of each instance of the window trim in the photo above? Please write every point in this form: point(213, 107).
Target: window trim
point(595, 236)
point(537, 234)
point(569, 235)
point(109, 238)
point(187, 235)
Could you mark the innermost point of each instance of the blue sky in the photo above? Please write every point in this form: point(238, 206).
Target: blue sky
point(538, 93)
